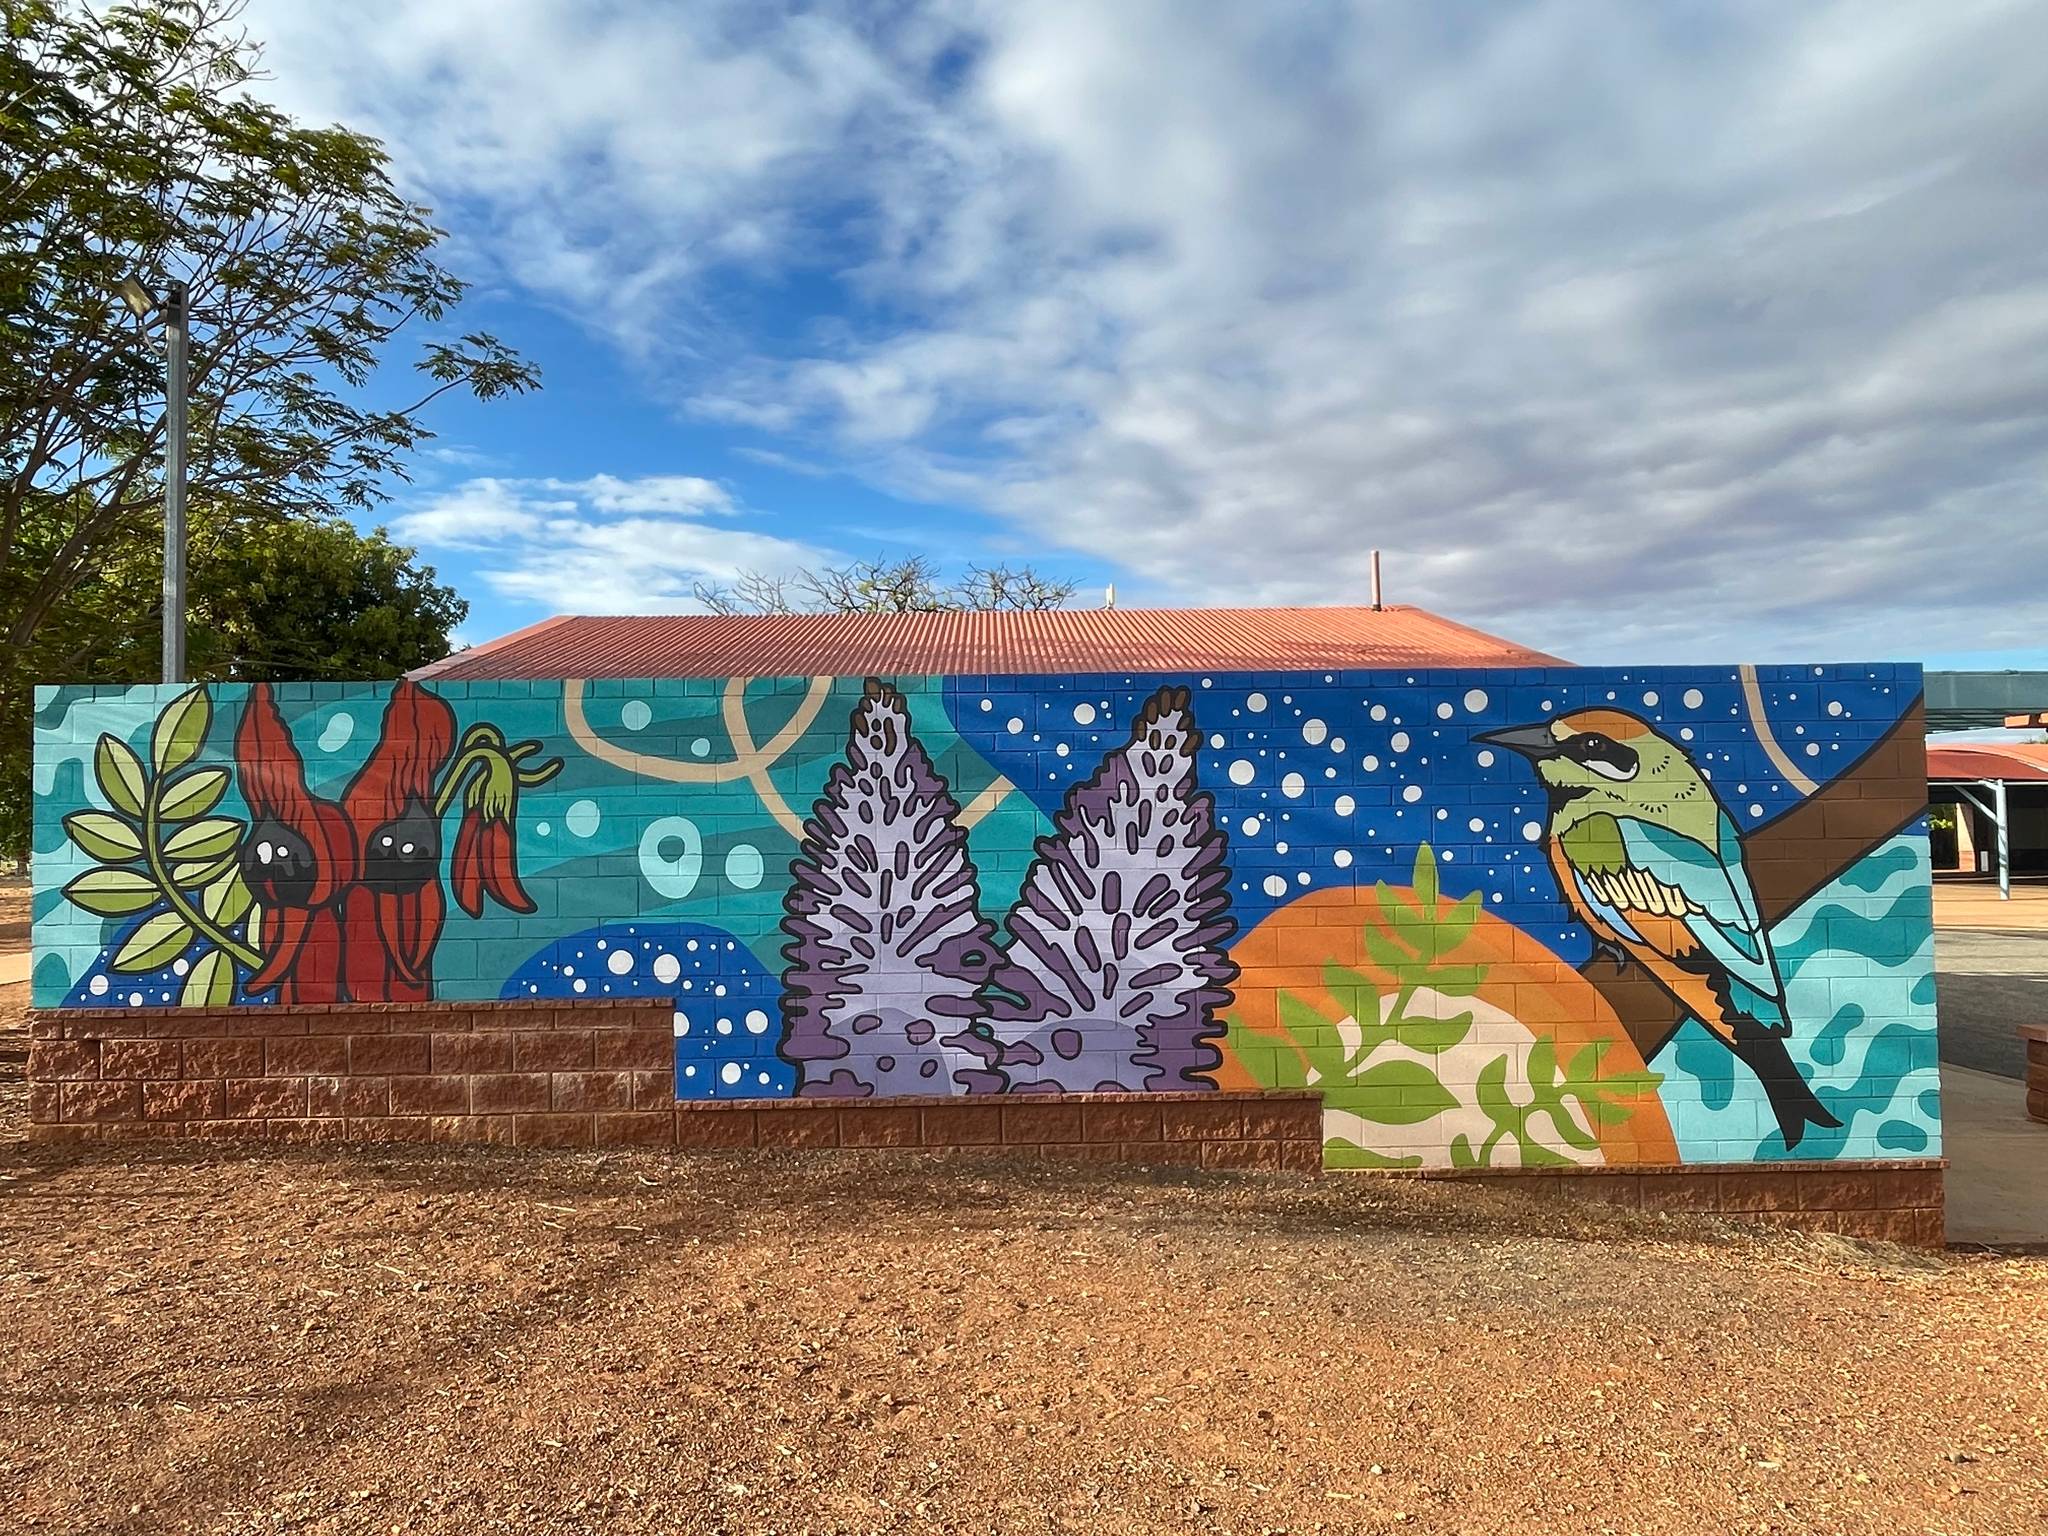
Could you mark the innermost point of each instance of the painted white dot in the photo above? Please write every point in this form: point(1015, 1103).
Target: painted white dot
point(1015, 727)
point(1398, 741)
point(1241, 771)
point(1486, 759)
point(180, 966)
point(1337, 744)
point(1250, 826)
point(757, 1022)
point(1835, 707)
point(1346, 805)
point(1379, 711)
point(1084, 714)
point(1756, 810)
point(1275, 885)
point(543, 829)
point(729, 1073)
point(1692, 698)
point(987, 704)
point(1061, 750)
point(1412, 793)
point(1292, 786)
point(1685, 733)
point(1255, 702)
point(1304, 877)
point(667, 968)
point(1341, 858)
point(1475, 825)
point(582, 818)
point(1444, 710)
point(1370, 763)
point(1532, 831)
point(1813, 749)
point(579, 985)
point(620, 962)
point(1314, 732)
point(1475, 700)
point(1443, 815)
point(97, 986)
point(635, 715)
point(682, 1025)
point(701, 747)
point(134, 999)
point(1650, 698)
point(402, 847)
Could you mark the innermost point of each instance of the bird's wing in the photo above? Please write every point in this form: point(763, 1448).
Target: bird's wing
point(1592, 855)
point(1708, 892)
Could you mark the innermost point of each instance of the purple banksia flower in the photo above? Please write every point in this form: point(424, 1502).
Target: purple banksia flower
point(888, 949)
point(1116, 966)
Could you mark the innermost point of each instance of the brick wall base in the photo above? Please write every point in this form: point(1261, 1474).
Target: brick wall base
point(1896, 1202)
point(545, 1074)
point(602, 1074)
point(2036, 1037)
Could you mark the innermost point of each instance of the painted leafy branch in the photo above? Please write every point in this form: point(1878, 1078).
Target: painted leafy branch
point(1116, 967)
point(888, 949)
point(159, 848)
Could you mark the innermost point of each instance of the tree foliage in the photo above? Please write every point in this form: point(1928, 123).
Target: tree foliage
point(129, 145)
point(913, 585)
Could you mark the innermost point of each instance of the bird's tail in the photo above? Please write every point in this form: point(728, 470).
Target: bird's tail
point(1792, 1099)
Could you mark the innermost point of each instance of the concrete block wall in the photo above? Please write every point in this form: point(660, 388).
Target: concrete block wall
point(1487, 916)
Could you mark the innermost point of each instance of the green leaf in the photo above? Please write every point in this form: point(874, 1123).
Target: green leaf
point(1395, 1093)
point(1425, 878)
point(1433, 1036)
point(192, 794)
point(226, 899)
point(107, 838)
point(204, 839)
point(113, 892)
point(210, 983)
point(155, 944)
point(190, 876)
point(1386, 952)
point(120, 773)
point(181, 730)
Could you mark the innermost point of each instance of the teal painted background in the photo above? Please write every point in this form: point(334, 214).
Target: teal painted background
point(658, 858)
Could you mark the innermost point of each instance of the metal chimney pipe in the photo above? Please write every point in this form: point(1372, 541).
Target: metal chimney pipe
point(1376, 604)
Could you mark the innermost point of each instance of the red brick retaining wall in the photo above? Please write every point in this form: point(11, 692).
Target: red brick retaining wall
point(2036, 1036)
point(602, 1073)
point(553, 1075)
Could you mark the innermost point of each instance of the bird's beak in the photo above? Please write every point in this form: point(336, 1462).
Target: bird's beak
point(1533, 741)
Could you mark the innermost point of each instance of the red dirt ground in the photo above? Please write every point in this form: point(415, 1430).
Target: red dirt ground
point(353, 1341)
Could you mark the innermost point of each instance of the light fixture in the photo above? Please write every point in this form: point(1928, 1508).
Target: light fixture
point(136, 296)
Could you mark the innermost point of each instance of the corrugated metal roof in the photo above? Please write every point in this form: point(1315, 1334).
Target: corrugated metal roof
point(1058, 640)
point(2018, 761)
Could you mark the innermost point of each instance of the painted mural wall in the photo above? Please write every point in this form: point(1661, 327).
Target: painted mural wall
point(1498, 918)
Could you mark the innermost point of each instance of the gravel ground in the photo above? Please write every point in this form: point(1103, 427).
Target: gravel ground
point(410, 1341)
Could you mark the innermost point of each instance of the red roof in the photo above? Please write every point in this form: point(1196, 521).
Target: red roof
point(2011, 760)
point(1058, 640)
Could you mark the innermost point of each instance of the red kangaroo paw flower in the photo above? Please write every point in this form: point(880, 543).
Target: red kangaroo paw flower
point(300, 851)
point(392, 919)
point(466, 869)
point(501, 866)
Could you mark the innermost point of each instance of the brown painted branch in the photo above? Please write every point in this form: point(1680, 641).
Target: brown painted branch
point(1791, 857)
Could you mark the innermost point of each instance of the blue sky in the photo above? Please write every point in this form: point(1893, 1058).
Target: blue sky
point(1639, 333)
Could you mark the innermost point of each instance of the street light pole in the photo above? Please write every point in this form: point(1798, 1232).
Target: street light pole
point(176, 368)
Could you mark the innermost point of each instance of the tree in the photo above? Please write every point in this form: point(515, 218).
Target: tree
point(128, 146)
point(913, 585)
point(1116, 966)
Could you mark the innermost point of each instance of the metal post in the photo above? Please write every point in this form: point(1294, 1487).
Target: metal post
point(2004, 851)
point(174, 482)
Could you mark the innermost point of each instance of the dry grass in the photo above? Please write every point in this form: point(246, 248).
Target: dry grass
point(398, 1340)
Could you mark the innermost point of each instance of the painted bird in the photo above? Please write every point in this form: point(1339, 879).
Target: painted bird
point(1651, 863)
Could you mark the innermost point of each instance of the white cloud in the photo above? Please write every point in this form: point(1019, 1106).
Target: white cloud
point(1630, 331)
point(565, 544)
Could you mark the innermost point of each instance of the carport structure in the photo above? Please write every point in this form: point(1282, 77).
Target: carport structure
point(2000, 790)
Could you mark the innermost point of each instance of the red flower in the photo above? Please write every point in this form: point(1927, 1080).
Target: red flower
point(391, 916)
point(299, 855)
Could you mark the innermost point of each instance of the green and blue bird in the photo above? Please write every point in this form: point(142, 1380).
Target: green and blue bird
point(1651, 863)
